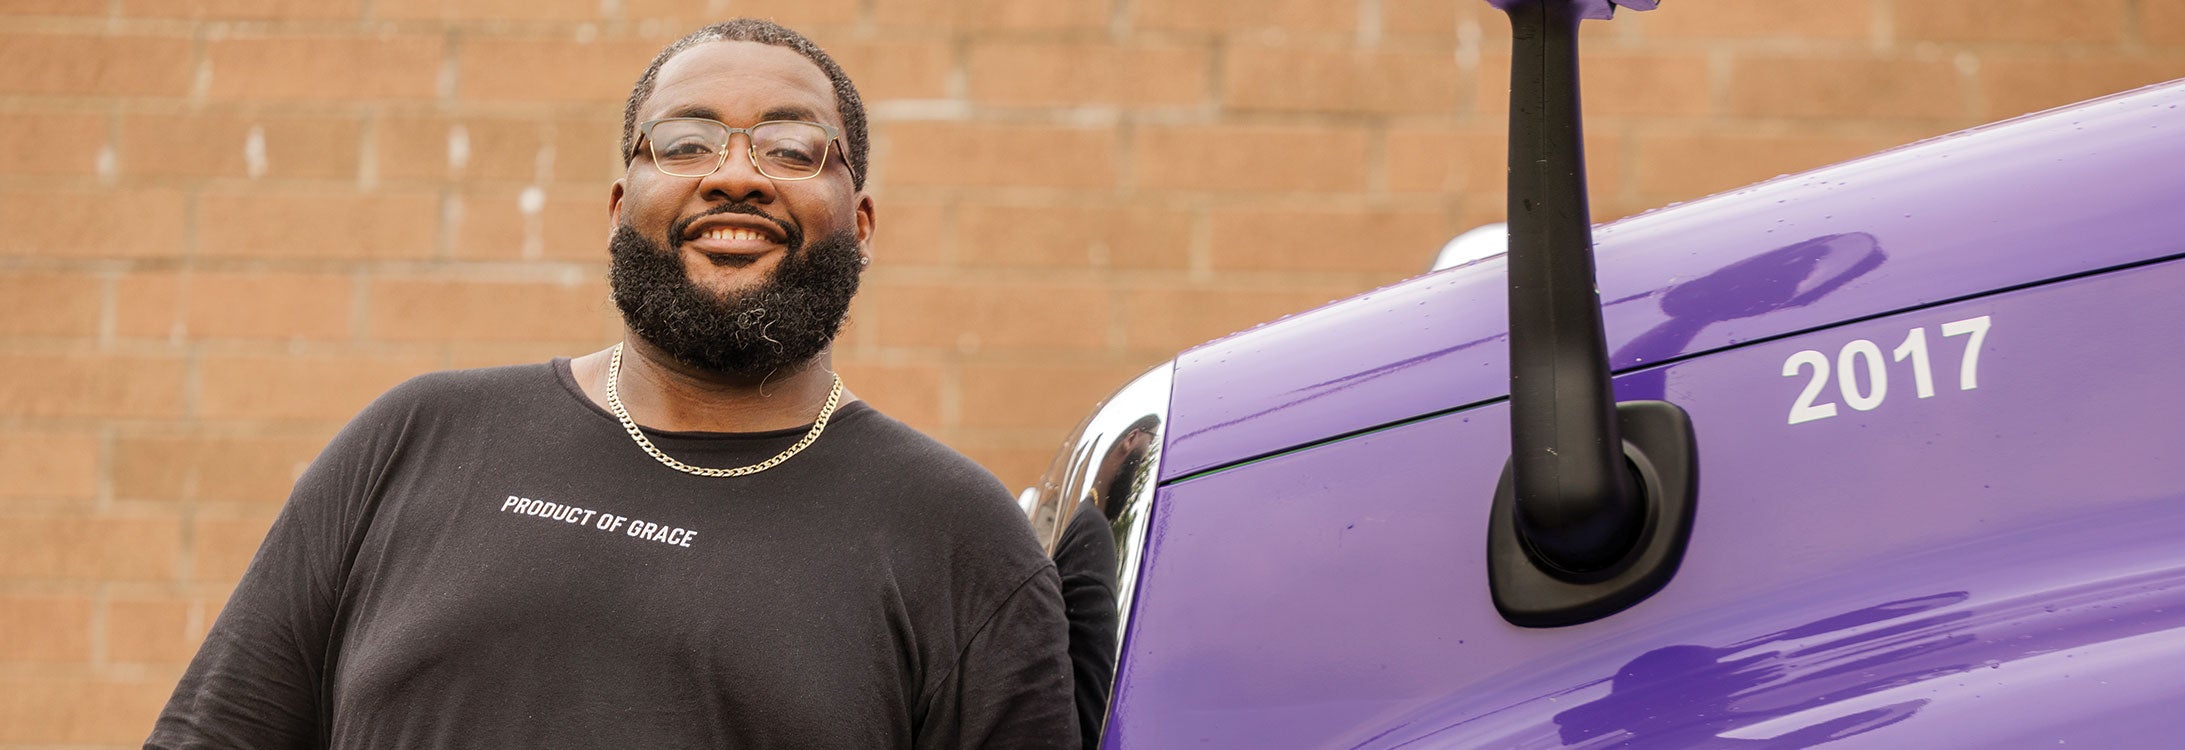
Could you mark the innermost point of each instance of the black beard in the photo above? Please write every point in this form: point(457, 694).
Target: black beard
point(777, 326)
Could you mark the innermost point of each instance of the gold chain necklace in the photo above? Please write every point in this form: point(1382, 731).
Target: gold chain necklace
point(614, 403)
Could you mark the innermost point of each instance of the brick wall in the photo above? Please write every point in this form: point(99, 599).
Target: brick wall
point(225, 225)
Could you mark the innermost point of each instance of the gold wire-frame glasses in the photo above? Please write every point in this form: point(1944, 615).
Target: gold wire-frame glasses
point(779, 149)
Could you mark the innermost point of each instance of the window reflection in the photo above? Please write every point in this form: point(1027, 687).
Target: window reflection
point(1090, 511)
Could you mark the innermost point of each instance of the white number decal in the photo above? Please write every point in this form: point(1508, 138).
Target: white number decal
point(1805, 410)
point(1865, 357)
point(1923, 374)
point(1968, 371)
point(1847, 377)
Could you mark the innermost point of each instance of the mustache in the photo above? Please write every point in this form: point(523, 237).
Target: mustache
point(792, 237)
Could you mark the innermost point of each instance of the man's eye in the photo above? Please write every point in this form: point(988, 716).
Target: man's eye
point(685, 150)
point(786, 153)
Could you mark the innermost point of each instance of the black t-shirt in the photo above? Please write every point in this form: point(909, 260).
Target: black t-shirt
point(485, 559)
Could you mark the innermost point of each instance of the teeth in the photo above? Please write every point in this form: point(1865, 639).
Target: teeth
point(733, 233)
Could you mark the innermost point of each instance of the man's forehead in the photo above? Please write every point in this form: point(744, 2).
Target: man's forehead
point(737, 79)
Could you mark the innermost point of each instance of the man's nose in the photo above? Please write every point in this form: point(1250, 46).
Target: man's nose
point(738, 180)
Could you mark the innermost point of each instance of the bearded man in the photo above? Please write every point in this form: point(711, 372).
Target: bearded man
point(694, 538)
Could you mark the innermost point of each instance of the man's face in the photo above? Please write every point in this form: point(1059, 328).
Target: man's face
point(734, 232)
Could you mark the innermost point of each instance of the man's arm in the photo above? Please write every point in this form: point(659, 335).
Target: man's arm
point(258, 680)
point(1011, 686)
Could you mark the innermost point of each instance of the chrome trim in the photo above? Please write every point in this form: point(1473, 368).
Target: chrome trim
point(1108, 466)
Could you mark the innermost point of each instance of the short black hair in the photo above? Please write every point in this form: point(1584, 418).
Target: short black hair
point(764, 32)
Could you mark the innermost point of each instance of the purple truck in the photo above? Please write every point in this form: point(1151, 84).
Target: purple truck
point(1902, 465)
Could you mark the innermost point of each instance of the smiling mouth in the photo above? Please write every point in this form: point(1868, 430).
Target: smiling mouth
point(732, 233)
point(731, 247)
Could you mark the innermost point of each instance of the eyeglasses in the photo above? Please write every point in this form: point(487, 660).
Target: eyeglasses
point(780, 149)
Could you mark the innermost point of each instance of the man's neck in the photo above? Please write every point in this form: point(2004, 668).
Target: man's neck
point(663, 394)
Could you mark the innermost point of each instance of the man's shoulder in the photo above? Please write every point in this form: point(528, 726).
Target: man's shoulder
point(446, 392)
point(885, 443)
point(926, 476)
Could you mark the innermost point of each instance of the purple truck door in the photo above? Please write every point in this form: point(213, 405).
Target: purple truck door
point(1952, 526)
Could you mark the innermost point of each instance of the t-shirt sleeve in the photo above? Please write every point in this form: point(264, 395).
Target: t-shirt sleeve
point(257, 681)
point(1011, 686)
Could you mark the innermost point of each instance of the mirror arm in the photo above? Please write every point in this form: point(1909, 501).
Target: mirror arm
point(1579, 509)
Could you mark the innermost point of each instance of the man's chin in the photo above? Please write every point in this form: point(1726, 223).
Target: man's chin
point(773, 315)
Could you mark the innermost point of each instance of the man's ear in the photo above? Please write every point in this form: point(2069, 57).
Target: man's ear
point(614, 206)
point(865, 227)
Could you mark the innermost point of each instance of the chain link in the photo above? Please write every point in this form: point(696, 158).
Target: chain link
point(614, 403)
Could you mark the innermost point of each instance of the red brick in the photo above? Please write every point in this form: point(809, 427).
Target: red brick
point(53, 8)
point(1252, 158)
point(49, 304)
point(1438, 21)
point(1017, 462)
point(1446, 160)
point(440, 310)
point(571, 224)
point(1742, 19)
point(93, 224)
point(971, 317)
point(45, 628)
point(499, 148)
point(796, 14)
point(1833, 87)
point(1327, 240)
point(2018, 85)
point(221, 548)
point(49, 464)
point(993, 14)
point(2162, 23)
point(988, 155)
point(210, 467)
point(1687, 165)
point(495, 354)
point(1336, 17)
point(1640, 85)
point(1032, 74)
point(318, 224)
point(325, 68)
point(64, 548)
point(2011, 20)
point(910, 393)
point(1169, 320)
point(552, 70)
point(1290, 78)
point(79, 711)
point(1051, 397)
point(486, 10)
point(150, 630)
point(1073, 236)
point(51, 144)
point(91, 385)
point(211, 145)
point(886, 70)
point(247, 305)
point(326, 387)
point(94, 66)
point(588, 151)
point(255, 10)
point(1491, 83)
point(909, 233)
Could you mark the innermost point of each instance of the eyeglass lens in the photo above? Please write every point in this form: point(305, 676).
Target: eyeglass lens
point(784, 150)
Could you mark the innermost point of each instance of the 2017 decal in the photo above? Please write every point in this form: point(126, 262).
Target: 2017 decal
point(1862, 377)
